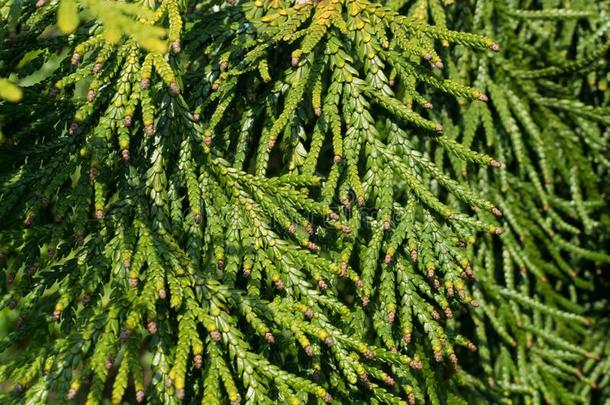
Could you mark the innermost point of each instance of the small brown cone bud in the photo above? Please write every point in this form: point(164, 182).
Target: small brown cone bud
point(174, 88)
point(428, 106)
point(73, 128)
point(180, 394)
point(269, 338)
point(108, 363)
point(145, 83)
point(176, 48)
point(75, 59)
point(215, 335)
point(198, 360)
point(337, 159)
point(71, 394)
point(96, 68)
point(322, 285)
point(150, 130)
point(317, 111)
point(152, 327)
point(309, 351)
point(125, 154)
point(91, 95)
point(483, 98)
point(140, 396)
point(99, 214)
point(387, 259)
point(162, 293)
point(133, 282)
point(496, 212)
point(127, 121)
point(343, 270)
point(438, 357)
point(416, 365)
point(414, 255)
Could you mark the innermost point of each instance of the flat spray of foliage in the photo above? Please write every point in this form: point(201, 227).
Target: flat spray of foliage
point(334, 201)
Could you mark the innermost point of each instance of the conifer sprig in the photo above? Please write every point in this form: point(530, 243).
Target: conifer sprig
point(300, 201)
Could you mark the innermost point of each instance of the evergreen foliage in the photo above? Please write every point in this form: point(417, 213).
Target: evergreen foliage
point(304, 202)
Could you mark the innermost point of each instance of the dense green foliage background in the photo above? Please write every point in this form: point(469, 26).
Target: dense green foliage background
point(325, 201)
